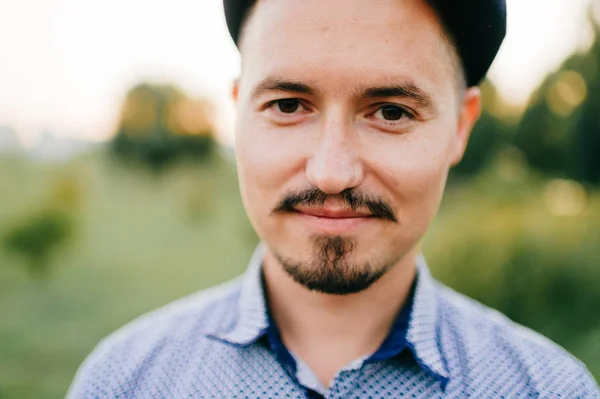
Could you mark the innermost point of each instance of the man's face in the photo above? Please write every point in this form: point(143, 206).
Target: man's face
point(349, 117)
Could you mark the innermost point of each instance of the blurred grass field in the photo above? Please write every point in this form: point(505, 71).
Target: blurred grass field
point(526, 246)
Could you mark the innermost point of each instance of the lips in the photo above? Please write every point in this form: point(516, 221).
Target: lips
point(332, 213)
point(332, 221)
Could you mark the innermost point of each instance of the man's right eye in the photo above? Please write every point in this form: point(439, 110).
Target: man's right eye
point(288, 105)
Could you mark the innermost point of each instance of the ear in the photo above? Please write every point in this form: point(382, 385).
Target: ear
point(469, 113)
point(235, 89)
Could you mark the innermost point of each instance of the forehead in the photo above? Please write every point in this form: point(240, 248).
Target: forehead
point(340, 44)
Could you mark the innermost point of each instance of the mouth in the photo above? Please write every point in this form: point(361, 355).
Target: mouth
point(331, 221)
point(333, 214)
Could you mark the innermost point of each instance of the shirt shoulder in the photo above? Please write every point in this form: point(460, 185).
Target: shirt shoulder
point(154, 340)
point(484, 348)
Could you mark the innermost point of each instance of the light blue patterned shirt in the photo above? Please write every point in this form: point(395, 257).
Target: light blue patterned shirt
point(213, 345)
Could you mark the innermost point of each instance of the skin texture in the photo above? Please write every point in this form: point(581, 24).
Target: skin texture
point(350, 115)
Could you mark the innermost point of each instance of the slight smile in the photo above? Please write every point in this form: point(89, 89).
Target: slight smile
point(333, 222)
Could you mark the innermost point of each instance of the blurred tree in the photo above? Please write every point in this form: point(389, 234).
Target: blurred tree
point(37, 237)
point(560, 131)
point(586, 137)
point(160, 125)
point(42, 232)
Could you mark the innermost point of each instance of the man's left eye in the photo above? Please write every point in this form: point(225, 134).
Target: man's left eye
point(391, 113)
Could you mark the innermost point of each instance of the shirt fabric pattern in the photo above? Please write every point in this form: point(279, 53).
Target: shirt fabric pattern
point(392, 346)
point(219, 344)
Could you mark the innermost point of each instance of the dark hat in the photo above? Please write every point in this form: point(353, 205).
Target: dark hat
point(477, 27)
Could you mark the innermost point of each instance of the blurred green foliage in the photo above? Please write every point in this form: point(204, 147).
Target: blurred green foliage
point(37, 237)
point(559, 132)
point(37, 234)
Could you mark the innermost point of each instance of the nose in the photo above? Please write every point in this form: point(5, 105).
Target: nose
point(336, 165)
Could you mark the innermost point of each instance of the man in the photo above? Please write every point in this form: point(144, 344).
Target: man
point(350, 114)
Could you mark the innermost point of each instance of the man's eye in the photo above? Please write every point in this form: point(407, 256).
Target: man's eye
point(287, 106)
point(391, 112)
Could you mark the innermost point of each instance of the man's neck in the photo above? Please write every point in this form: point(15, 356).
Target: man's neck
point(329, 331)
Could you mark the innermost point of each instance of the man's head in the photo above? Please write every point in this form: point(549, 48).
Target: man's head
point(350, 114)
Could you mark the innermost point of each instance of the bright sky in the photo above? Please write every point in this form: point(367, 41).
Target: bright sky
point(65, 65)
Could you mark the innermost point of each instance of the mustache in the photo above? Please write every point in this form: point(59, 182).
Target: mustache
point(352, 198)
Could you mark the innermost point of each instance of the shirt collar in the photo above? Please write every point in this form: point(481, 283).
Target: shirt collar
point(250, 317)
point(423, 330)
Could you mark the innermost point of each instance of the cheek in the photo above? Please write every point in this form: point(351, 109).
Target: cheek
point(265, 165)
point(271, 154)
point(415, 169)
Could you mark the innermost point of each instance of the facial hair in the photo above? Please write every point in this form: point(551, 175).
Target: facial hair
point(329, 271)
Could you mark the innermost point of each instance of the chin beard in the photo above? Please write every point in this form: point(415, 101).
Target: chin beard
point(329, 271)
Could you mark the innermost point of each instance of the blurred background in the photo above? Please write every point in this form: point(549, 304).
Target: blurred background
point(118, 191)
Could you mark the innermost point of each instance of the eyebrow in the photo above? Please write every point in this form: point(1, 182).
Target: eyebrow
point(274, 84)
point(408, 91)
